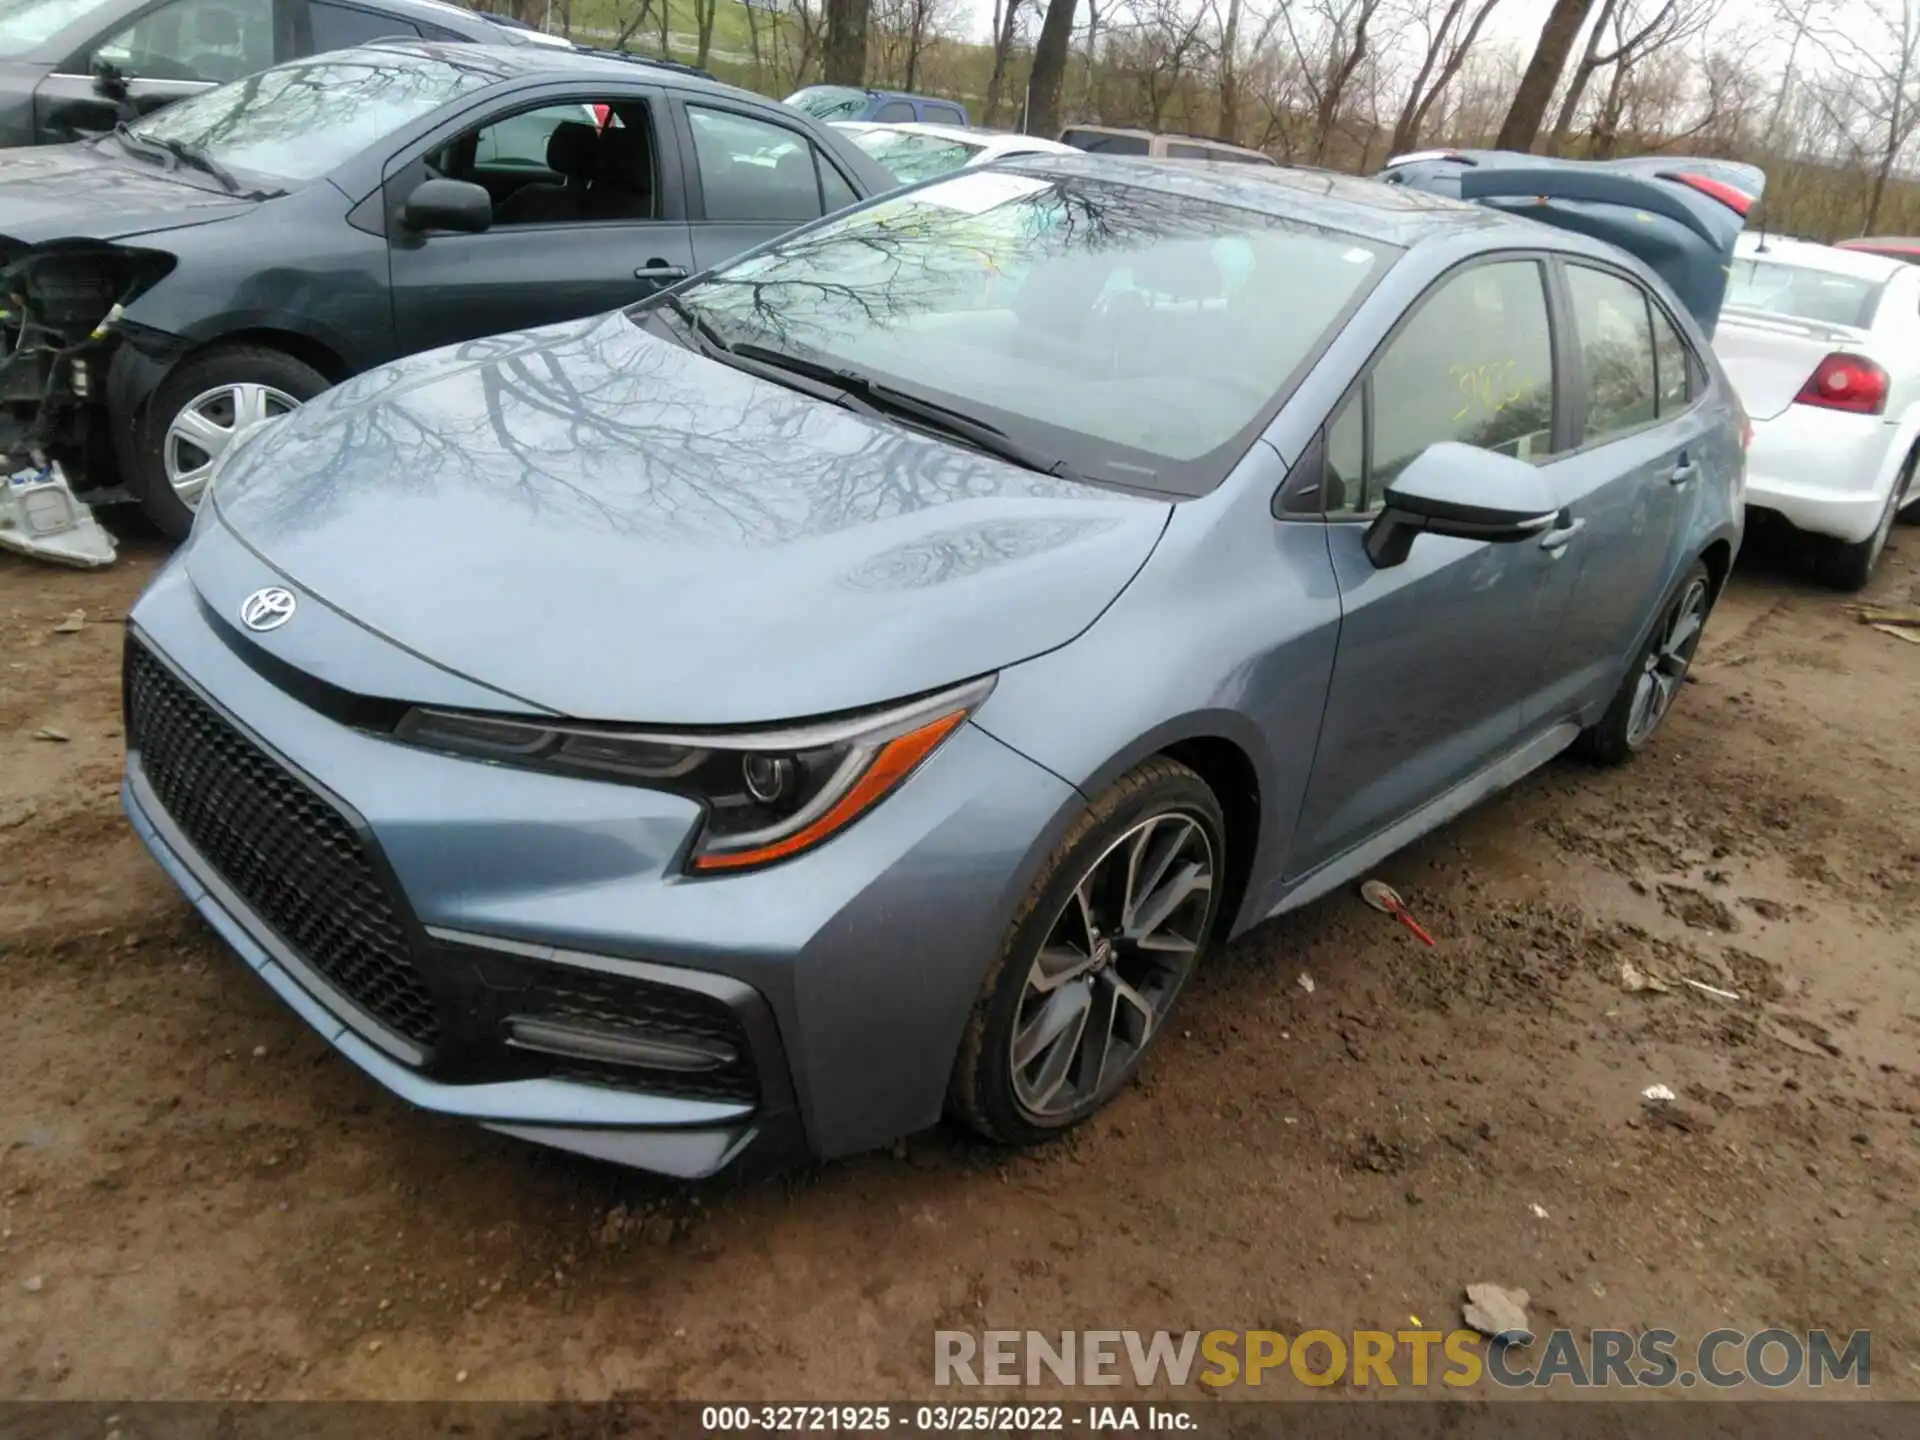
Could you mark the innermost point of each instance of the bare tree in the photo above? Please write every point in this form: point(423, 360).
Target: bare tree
point(704, 12)
point(1448, 45)
point(1049, 68)
point(1006, 26)
point(1625, 33)
point(1330, 56)
point(1879, 53)
point(1542, 76)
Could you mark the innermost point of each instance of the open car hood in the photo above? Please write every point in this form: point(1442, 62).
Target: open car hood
point(1680, 217)
point(600, 523)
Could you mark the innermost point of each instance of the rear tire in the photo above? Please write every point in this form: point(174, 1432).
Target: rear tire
point(1114, 925)
point(1849, 567)
point(193, 416)
point(1653, 680)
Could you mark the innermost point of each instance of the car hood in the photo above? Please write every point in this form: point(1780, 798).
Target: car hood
point(603, 524)
point(85, 191)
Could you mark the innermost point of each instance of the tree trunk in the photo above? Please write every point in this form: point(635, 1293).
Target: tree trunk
point(1530, 101)
point(846, 42)
point(703, 17)
point(1582, 75)
point(1005, 20)
point(1230, 74)
point(1049, 69)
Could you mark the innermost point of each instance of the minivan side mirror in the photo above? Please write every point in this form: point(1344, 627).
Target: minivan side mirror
point(457, 205)
point(1462, 491)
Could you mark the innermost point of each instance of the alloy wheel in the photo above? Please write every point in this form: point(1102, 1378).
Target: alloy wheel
point(1112, 962)
point(208, 424)
point(1667, 661)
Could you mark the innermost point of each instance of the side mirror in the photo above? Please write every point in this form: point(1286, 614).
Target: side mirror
point(457, 205)
point(110, 82)
point(1462, 491)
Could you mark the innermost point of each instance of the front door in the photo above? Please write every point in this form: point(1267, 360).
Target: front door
point(1440, 657)
point(587, 218)
point(174, 49)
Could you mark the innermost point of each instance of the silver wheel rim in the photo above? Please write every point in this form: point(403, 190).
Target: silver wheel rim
point(1112, 962)
point(1667, 661)
point(206, 426)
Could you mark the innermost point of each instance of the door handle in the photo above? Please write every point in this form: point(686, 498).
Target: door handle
point(660, 270)
point(1682, 472)
point(1556, 539)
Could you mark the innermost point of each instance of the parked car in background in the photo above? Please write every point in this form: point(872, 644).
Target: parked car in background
point(1894, 247)
point(1119, 140)
point(921, 152)
point(847, 102)
point(1824, 346)
point(866, 680)
point(227, 259)
point(51, 51)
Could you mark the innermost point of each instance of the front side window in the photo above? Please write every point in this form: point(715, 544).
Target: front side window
point(1473, 365)
point(341, 27)
point(203, 40)
point(560, 165)
point(894, 111)
point(1137, 336)
point(1610, 317)
point(908, 156)
point(299, 121)
point(751, 170)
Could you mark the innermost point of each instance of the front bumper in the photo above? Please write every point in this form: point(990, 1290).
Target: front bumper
point(848, 973)
point(1823, 471)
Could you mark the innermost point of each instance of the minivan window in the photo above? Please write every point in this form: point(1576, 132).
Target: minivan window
point(1616, 349)
point(893, 111)
point(341, 27)
point(1474, 365)
point(997, 292)
point(204, 40)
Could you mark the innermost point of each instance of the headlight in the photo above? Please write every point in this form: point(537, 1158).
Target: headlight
point(769, 794)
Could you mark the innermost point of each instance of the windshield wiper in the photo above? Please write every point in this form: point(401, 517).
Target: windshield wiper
point(903, 404)
point(199, 159)
point(141, 145)
point(711, 344)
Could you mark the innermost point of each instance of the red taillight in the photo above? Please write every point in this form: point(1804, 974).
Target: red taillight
point(1732, 197)
point(1846, 382)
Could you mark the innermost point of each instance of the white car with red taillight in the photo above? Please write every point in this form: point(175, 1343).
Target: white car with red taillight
point(1823, 346)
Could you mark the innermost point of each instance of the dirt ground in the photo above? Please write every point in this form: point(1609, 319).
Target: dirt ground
point(198, 1199)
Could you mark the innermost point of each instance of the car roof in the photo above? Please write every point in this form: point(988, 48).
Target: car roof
point(1367, 209)
point(514, 62)
point(1861, 264)
point(1883, 244)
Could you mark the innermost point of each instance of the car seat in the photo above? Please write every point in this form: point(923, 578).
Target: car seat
point(573, 152)
point(623, 181)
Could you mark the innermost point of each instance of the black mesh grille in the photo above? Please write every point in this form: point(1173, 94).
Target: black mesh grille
point(659, 1012)
point(288, 853)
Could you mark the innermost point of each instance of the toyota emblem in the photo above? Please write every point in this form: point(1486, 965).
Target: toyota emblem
point(267, 609)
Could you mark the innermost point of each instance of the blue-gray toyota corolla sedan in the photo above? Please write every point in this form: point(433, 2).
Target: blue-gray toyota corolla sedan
point(864, 682)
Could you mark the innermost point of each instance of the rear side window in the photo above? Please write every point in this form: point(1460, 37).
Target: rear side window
point(753, 171)
point(1611, 318)
point(340, 27)
point(1673, 366)
point(1178, 151)
point(945, 115)
point(1474, 365)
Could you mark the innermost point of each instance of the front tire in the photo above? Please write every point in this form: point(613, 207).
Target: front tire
point(1096, 956)
point(1654, 678)
point(195, 415)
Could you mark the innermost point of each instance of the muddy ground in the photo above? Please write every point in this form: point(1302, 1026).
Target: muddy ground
point(198, 1199)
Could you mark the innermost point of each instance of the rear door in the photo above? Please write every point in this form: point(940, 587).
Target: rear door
point(751, 177)
point(1631, 481)
point(1679, 217)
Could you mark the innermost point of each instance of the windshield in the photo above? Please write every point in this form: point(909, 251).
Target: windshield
point(25, 25)
point(829, 102)
point(299, 121)
point(1799, 291)
point(1137, 335)
point(909, 157)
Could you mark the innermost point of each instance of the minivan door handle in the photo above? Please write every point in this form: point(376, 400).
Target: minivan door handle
point(660, 270)
point(1556, 539)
